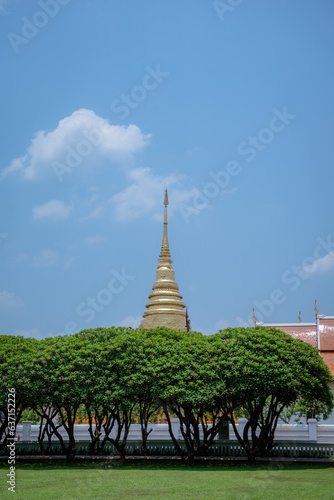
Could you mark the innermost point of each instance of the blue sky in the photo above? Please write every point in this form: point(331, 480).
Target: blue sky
point(229, 104)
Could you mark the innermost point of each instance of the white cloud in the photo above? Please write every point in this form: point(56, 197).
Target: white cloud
point(9, 301)
point(47, 258)
point(54, 209)
point(2, 5)
point(196, 327)
point(145, 194)
point(322, 265)
point(69, 263)
point(222, 324)
point(83, 136)
point(130, 321)
point(33, 333)
point(20, 257)
point(94, 213)
point(92, 240)
point(326, 263)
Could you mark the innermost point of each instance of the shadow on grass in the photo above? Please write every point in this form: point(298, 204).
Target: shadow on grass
point(168, 466)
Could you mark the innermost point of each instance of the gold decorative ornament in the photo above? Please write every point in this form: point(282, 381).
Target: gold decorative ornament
point(316, 310)
point(254, 317)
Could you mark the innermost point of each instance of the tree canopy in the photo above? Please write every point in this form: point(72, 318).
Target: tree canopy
point(117, 373)
point(265, 371)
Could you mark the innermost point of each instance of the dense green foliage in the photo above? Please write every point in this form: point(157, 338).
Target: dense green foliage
point(265, 371)
point(16, 355)
point(117, 373)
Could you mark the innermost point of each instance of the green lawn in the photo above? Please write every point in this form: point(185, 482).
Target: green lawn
point(205, 482)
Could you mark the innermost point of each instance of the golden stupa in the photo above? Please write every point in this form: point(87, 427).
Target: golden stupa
point(165, 307)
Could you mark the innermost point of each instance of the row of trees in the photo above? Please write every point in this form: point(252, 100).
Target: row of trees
point(117, 372)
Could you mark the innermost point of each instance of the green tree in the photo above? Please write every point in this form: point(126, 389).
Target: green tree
point(265, 371)
point(109, 398)
point(15, 362)
point(59, 381)
point(113, 373)
point(184, 381)
point(139, 355)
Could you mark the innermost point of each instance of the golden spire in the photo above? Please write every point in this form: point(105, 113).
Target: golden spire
point(165, 307)
point(254, 317)
point(316, 310)
point(299, 318)
point(165, 253)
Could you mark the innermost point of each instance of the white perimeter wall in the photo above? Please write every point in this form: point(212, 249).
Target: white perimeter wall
point(313, 431)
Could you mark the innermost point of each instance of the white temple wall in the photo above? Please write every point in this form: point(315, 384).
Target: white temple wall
point(299, 432)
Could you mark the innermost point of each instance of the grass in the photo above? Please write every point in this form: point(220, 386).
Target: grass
point(170, 482)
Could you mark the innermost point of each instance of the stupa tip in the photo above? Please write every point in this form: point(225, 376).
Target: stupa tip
point(166, 198)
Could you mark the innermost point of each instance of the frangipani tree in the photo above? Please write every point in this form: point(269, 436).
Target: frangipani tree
point(185, 389)
point(109, 402)
point(116, 371)
point(16, 355)
point(264, 371)
point(59, 379)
